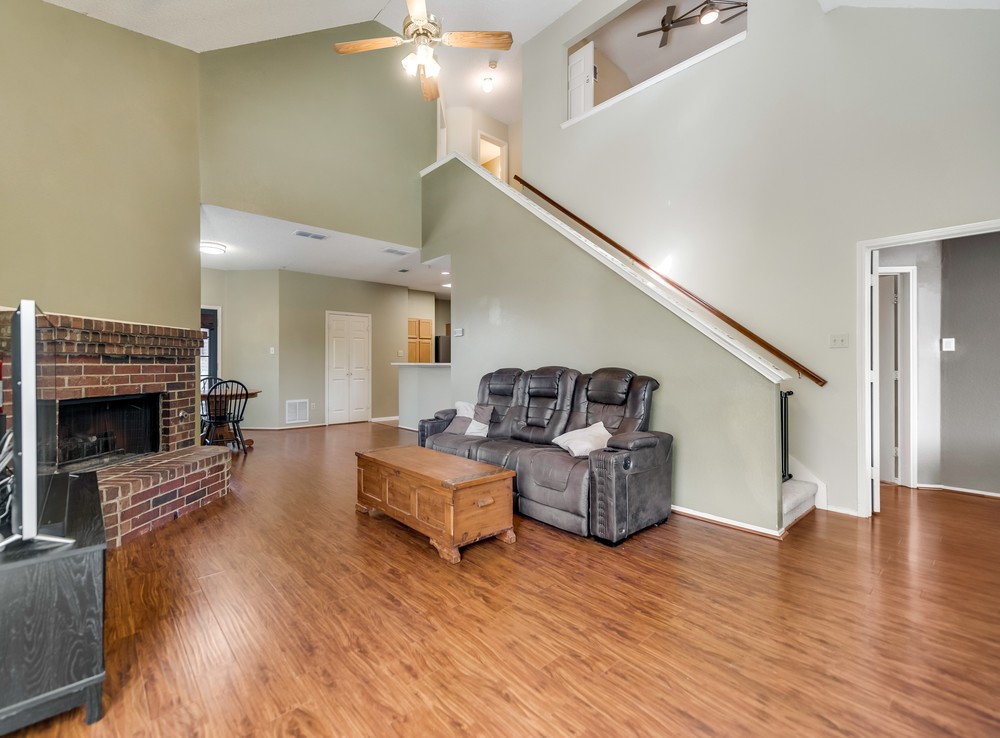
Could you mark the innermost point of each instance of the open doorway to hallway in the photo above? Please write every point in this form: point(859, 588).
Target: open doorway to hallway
point(929, 392)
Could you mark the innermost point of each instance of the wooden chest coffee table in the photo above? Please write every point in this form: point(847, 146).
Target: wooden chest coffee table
point(453, 501)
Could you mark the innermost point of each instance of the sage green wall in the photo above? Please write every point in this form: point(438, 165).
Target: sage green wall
point(305, 298)
point(442, 317)
point(751, 177)
point(99, 185)
point(287, 310)
point(292, 130)
point(548, 303)
point(250, 328)
point(421, 305)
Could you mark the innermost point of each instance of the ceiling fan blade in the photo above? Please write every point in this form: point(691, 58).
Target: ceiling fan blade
point(478, 39)
point(368, 44)
point(428, 85)
point(734, 15)
point(417, 9)
point(665, 22)
point(684, 22)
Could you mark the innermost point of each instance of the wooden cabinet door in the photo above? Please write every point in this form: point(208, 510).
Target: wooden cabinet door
point(419, 341)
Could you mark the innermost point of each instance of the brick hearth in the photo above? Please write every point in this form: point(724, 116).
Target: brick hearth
point(93, 358)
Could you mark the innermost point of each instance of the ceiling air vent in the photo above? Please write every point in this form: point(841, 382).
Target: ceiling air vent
point(393, 250)
point(307, 234)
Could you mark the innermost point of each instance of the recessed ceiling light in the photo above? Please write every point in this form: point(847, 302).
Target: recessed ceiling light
point(212, 247)
point(447, 285)
point(445, 274)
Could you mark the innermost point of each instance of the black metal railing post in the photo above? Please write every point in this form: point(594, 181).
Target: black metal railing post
point(785, 474)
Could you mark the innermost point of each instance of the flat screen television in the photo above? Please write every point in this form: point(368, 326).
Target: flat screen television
point(24, 484)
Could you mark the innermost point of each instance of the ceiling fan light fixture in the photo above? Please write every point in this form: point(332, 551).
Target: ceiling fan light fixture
point(709, 14)
point(431, 67)
point(487, 84)
point(410, 64)
point(212, 247)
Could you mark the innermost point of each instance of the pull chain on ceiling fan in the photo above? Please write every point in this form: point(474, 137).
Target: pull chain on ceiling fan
point(424, 31)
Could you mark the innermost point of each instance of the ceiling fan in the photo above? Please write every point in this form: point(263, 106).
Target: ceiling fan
point(424, 31)
point(703, 13)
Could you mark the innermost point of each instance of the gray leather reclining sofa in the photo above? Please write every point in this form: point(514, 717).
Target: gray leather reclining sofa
point(610, 494)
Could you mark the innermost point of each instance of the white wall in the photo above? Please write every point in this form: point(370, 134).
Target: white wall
point(751, 177)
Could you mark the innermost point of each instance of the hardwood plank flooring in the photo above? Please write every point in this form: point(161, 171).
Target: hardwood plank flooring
point(280, 611)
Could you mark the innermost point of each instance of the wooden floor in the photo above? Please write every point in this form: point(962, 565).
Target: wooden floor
point(279, 611)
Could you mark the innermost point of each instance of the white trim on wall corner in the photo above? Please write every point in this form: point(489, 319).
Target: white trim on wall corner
point(709, 518)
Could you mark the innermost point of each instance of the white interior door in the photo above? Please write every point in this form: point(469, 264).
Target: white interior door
point(889, 377)
point(348, 367)
point(581, 80)
point(359, 374)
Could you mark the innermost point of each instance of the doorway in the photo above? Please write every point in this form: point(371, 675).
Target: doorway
point(898, 376)
point(493, 156)
point(868, 324)
point(348, 367)
point(210, 356)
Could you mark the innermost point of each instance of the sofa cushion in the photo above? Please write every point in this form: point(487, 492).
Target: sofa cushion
point(619, 398)
point(501, 452)
point(582, 441)
point(452, 443)
point(459, 425)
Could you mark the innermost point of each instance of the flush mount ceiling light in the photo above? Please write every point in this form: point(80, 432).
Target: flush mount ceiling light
point(704, 13)
point(212, 247)
point(488, 79)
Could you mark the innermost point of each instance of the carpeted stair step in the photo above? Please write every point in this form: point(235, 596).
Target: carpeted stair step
point(797, 498)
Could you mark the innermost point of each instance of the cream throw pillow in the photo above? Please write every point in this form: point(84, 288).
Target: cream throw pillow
point(581, 442)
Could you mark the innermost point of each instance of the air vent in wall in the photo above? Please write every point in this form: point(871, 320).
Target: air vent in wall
point(307, 234)
point(397, 252)
point(297, 411)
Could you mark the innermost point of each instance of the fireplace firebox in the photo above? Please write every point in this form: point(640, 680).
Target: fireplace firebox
point(95, 432)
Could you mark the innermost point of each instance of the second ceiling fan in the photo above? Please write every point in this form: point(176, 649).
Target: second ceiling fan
point(424, 31)
point(704, 13)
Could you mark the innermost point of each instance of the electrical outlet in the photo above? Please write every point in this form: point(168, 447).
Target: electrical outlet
point(399, 354)
point(271, 351)
point(312, 405)
point(838, 340)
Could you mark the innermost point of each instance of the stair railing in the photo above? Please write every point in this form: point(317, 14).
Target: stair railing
point(732, 323)
point(785, 474)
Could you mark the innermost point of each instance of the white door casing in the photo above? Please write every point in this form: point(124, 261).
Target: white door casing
point(581, 81)
point(348, 367)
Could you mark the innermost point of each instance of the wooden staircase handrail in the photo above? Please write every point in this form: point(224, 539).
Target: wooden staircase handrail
point(800, 368)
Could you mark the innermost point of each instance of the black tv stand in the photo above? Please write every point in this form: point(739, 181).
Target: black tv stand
point(52, 606)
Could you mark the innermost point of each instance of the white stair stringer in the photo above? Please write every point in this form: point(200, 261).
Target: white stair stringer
point(640, 277)
point(797, 498)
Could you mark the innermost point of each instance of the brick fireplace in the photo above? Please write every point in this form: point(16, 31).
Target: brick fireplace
point(89, 359)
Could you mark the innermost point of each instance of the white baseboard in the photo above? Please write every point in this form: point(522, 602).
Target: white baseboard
point(839, 510)
point(383, 420)
point(282, 427)
point(709, 518)
point(946, 488)
point(406, 427)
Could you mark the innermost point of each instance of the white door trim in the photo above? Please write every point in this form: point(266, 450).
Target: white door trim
point(864, 317)
point(326, 359)
point(218, 337)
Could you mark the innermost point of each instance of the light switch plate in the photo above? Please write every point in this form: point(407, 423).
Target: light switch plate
point(458, 332)
point(838, 340)
point(947, 344)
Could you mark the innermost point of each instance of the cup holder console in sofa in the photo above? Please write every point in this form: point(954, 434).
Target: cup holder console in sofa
point(610, 493)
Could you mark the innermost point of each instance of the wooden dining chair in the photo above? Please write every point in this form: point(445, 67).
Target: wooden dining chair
point(225, 404)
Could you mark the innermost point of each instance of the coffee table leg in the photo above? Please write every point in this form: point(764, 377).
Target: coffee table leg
point(448, 553)
point(507, 536)
point(361, 508)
